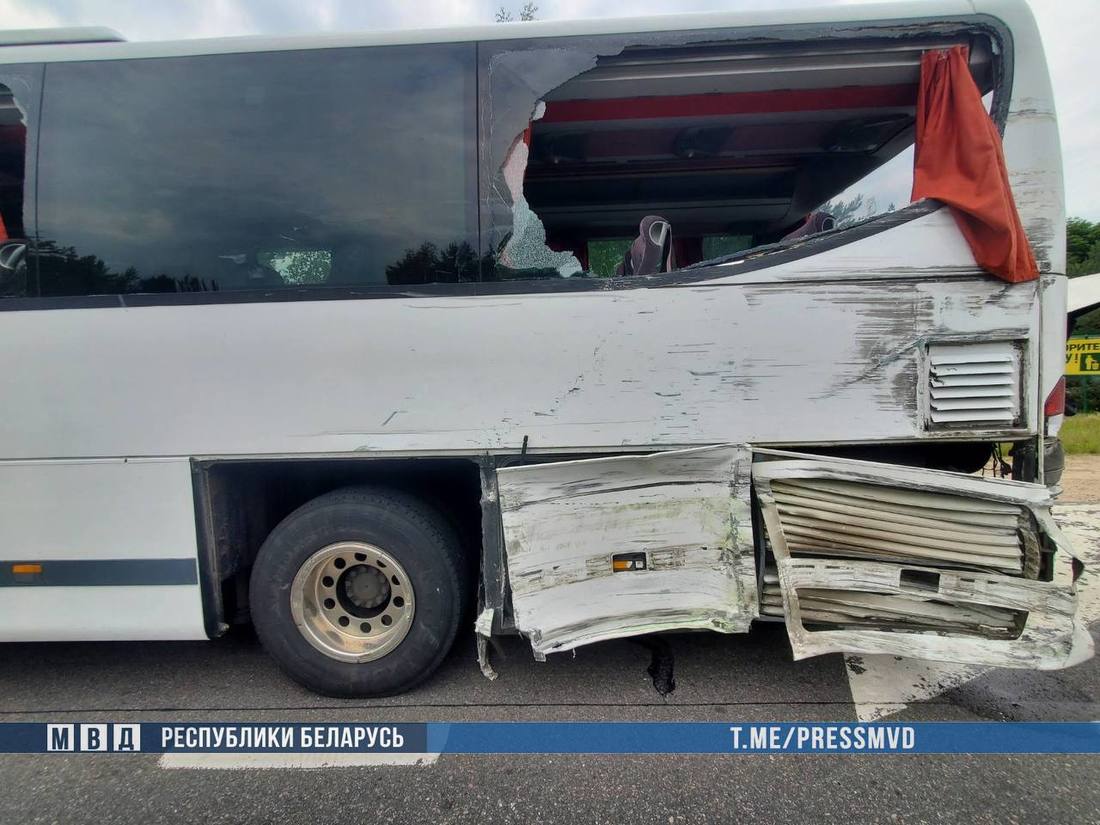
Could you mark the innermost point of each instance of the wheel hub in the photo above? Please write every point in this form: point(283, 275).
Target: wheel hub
point(366, 587)
point(352, 601)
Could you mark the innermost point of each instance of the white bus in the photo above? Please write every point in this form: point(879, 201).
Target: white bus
point(540, 327)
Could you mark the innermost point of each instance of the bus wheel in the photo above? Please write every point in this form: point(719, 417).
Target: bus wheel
point(359, 592)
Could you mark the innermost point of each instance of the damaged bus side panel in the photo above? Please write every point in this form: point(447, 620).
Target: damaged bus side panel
point(732, 132)
point(873, 558)
point(606, 289)
point(857, 557)
point(614, 547)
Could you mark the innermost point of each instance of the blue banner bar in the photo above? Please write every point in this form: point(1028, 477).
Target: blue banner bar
point(551, 737)
point(779, 737)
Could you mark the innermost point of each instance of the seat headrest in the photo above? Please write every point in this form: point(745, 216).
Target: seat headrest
point(651, 251)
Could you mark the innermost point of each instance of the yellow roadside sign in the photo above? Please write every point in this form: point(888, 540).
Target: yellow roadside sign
point(1083, 356)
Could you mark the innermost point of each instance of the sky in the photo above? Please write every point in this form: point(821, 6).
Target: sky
point(1070, 30)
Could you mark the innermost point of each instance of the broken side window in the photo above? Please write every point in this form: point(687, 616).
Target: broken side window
point(517, 78)
point(733, 145)
point(300, 267)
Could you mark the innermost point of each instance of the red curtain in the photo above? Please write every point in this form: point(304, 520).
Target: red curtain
point(959, 160)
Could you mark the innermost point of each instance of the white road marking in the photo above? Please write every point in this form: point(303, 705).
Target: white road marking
point(1081, 524)
point(298, 761)
point(882, 685)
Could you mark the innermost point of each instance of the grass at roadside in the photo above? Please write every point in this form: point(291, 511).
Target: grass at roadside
point(1081, 434)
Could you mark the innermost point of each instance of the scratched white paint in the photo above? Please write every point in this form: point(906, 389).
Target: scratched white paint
point(1052, 337)
point(810, 361)
point(647, 368)
point(882, 685)
point(1053, 634)
point(687, 512)
point(931, 241)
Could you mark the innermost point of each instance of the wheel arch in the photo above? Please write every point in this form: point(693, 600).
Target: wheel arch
point(239, 501)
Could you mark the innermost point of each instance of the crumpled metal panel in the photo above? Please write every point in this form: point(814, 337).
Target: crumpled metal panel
point(993, 584)
point(686, 513)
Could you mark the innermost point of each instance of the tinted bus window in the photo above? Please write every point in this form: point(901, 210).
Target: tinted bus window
point(20, 91)
point(265, 171)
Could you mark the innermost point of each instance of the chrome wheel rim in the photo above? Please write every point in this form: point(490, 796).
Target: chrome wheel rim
point(352, 601)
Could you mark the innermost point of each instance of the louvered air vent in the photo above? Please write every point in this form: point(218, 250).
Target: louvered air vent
point(974, 384)
point(828, 517)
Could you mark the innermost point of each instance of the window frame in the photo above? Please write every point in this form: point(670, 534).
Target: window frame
point(458, 60)
point(483, 180)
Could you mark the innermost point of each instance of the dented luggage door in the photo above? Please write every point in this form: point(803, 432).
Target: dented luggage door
point(877, 558)
point(611, 547)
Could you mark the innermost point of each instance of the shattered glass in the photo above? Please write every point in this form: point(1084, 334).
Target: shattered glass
point(518, 78)
point(526, 246)
point(518, 82)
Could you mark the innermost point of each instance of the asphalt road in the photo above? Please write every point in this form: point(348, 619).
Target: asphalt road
point(718, 678)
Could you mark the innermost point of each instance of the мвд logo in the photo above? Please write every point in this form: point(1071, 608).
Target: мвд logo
point(90, 738)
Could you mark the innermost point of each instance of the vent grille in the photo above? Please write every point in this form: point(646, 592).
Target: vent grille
point(825, 517)
point(973, 384)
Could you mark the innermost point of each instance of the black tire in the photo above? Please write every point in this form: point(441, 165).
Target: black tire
point(416, 535)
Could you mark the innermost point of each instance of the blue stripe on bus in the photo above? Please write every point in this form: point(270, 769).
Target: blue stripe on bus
point(101, 573)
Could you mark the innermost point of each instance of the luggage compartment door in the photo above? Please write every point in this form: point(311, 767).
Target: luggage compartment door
point(612, 547)
point(877, 558)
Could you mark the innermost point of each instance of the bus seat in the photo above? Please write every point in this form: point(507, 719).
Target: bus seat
point(651, 251)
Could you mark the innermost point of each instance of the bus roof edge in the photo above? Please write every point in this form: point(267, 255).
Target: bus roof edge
point(71, 34)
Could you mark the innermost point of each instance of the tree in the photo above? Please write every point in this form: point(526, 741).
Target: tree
point(853, 210)
point(847, 212)
point(455, 263)
point(1082, 246)
point(526, 14)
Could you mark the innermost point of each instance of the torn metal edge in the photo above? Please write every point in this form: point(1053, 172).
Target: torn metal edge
point(483, 630)
point(1053, 636)
point(726, 468)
